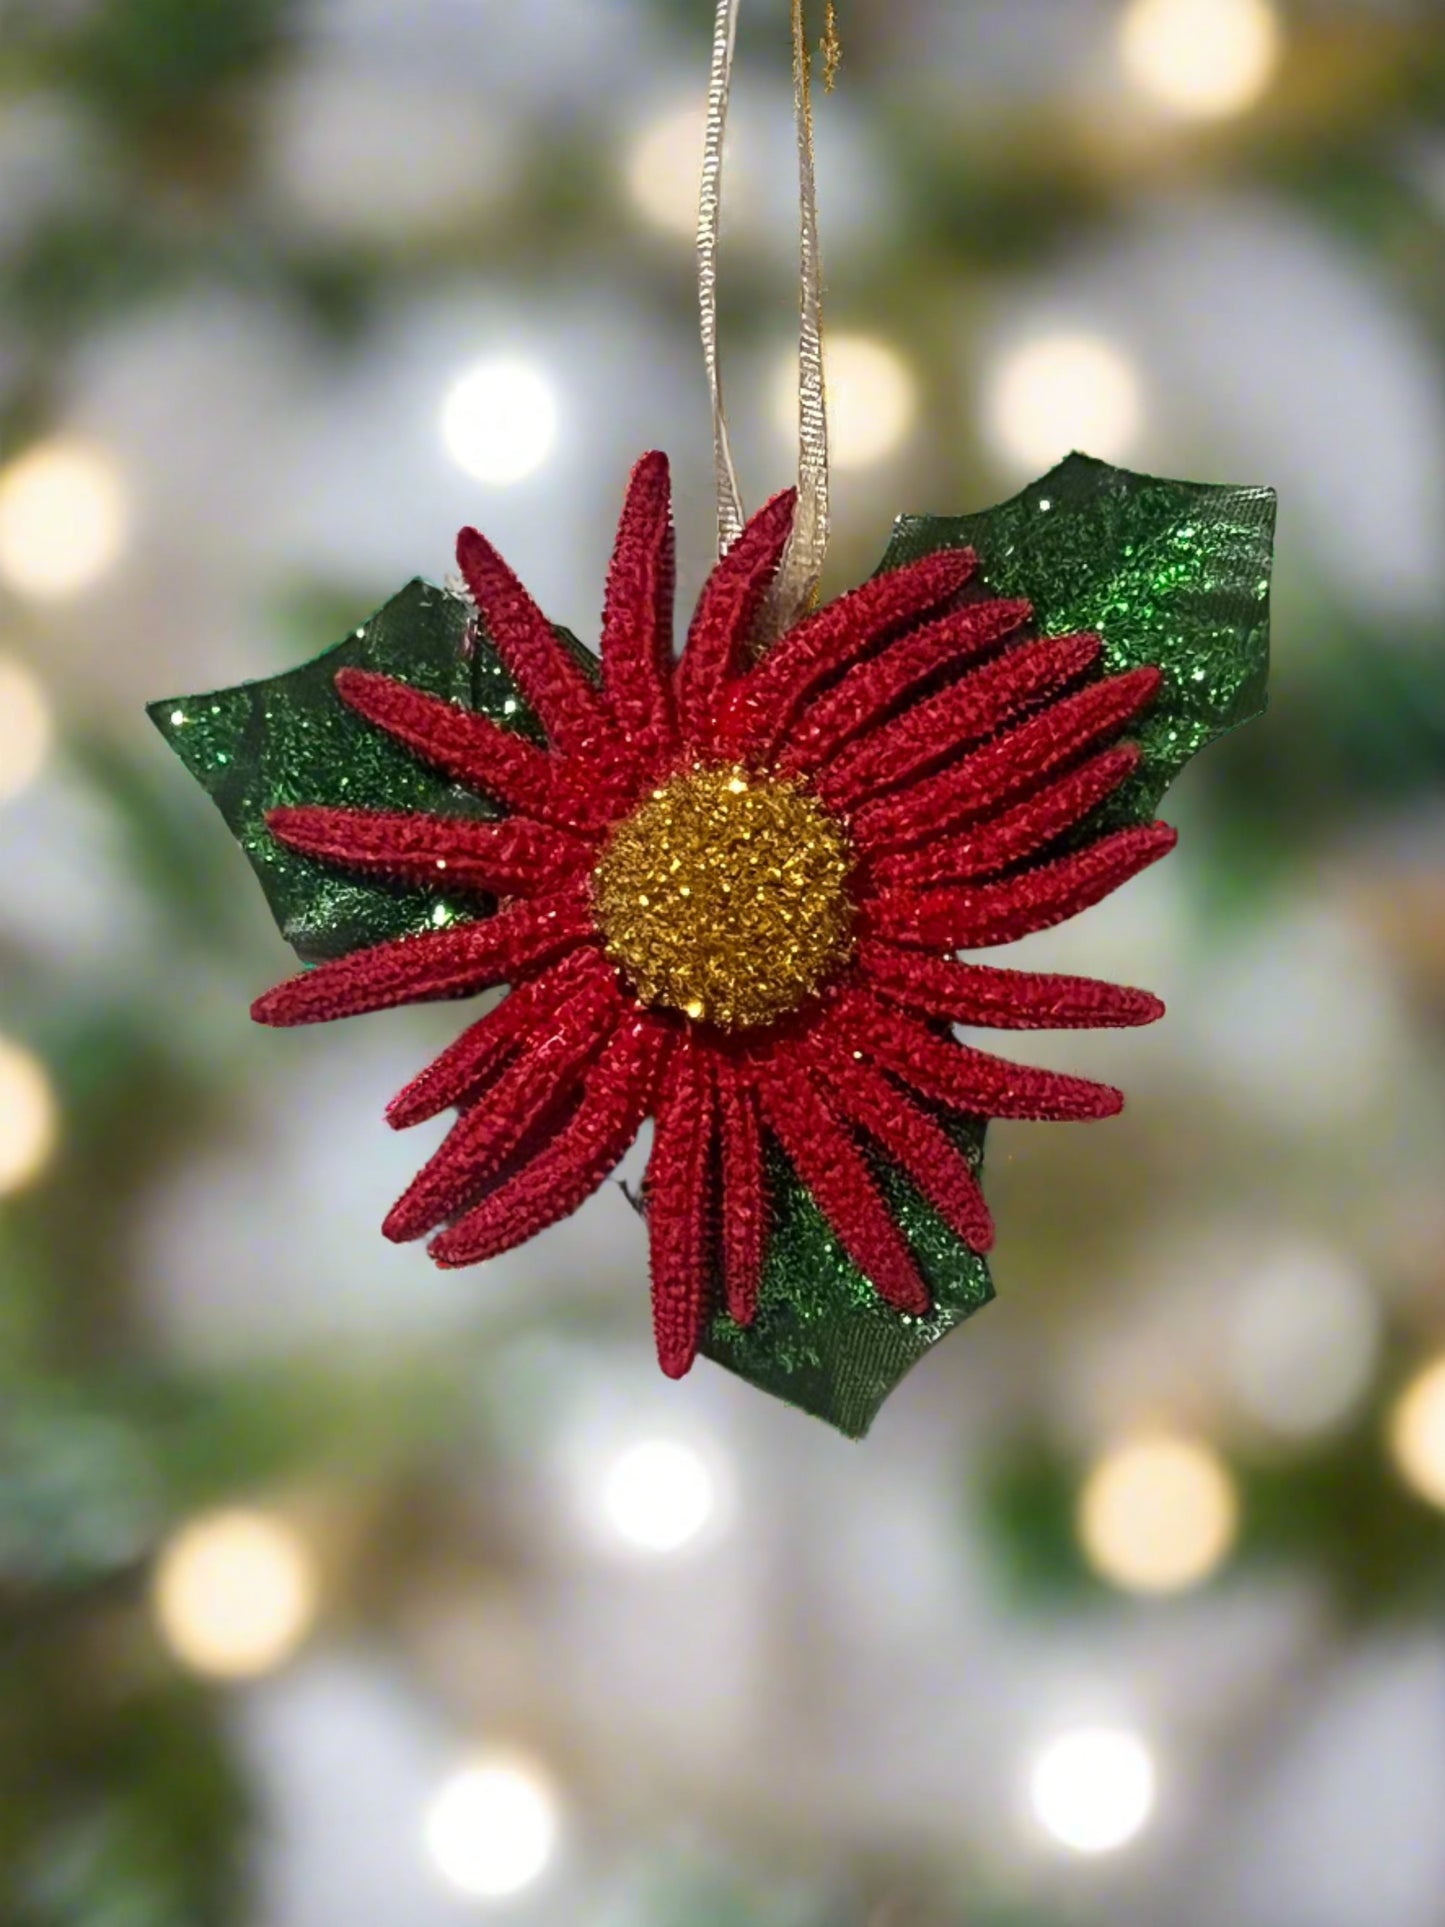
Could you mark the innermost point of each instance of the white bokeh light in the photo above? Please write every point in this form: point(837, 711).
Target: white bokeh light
point(25, 728)
point(1203, 59)
point(235, 1593)
point(658, 1495)
point(1304, 1341)
point(664, 164)
point(28, 1122)
point(1058, 392)
point(1417, 1434)
point(492, 1828)
point(62, 518)
point(499, 421)
point(1094, 1789)
point(872, 399)
point(1158, 1515)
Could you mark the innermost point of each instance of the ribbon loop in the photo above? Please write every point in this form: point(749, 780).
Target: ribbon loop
point(801, 568)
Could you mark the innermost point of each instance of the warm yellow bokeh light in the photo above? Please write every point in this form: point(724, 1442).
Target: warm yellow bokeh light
point(1158, 1515)
point(25, 728)
point(872, 399)
point(1202, 58)
point(1417, 1434)
point(27, 1117)
point(492, 1828)
point(664, 165)
point(235, 1593)
point(1060, 392)
point(62, 518)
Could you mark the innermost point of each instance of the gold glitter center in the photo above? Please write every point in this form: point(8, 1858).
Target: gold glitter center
point(725, 896)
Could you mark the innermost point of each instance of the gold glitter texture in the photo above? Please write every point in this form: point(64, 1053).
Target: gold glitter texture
point(725, 896)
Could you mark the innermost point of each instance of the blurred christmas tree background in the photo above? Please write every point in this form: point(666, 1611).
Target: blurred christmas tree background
point(334, 1588)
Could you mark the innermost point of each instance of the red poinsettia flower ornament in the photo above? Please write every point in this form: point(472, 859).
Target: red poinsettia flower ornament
point(731, 893)
point(727, 890)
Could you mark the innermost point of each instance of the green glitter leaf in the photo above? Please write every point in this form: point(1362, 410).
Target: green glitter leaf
point(1174, 574)
point(290, 739)
point(823, 1339)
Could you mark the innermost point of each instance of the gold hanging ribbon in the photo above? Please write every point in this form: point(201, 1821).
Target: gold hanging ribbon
point(730, 514)
point(801, 569)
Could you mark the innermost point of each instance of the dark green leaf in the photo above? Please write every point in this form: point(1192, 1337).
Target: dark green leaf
point(823, 1338)
point(290, 739)
point(1174, 574)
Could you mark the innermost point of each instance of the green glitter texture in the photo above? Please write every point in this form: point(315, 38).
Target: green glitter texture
point(290, 739)
point(1170, 573)
point(823, 1339)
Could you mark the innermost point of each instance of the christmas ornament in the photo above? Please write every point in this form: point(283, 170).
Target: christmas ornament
point(727, 890)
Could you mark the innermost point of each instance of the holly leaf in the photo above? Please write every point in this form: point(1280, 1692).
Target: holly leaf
point(289, 739)
point(1174, 574)
point(823, 1339)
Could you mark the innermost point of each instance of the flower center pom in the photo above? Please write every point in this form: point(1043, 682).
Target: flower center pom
point(725, 896)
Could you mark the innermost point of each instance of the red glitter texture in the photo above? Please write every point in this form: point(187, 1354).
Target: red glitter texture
point(958, 750)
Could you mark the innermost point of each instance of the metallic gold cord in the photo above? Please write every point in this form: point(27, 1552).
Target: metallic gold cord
point(730, 514)
point(832, 47)
point(801, 569)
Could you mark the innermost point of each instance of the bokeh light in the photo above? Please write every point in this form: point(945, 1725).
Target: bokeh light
point(1158, 1515)
point(1094, 1789)
point(1202, 58)
point(25, 727)
point(492, 1829)
point(235, 1593)
point(28, 1121)
point(1417, 1433)
point(1059, 392)
point(62, 518)
point(659, 1495)
point(872, 399)
point(499, 421)
point(664, 164)
point(1305, 1341)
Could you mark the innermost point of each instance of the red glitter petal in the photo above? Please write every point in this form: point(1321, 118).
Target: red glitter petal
point(487, 1045)
point(827, 1159)
point(953, 1074)
point(873, 1102)
point(530, 1091)
point(616, 1098)
point(1035, 899)
point(472, 749)
point(513, 858)
point(745, 1196)
point(637, 618)
point(679, 1197)
point(457, 962)
point(761, 707)
point(965, 993)
point(726, 612)
point(568, 706)
point(871, 689)
point(988, 847)
point(965, 712)
point(1010, 764)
